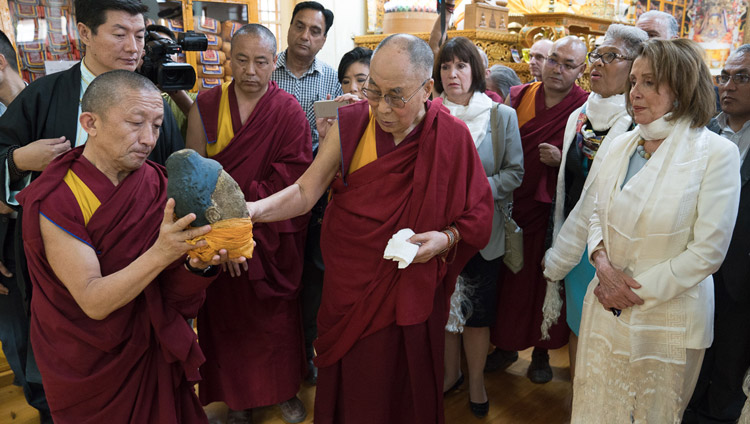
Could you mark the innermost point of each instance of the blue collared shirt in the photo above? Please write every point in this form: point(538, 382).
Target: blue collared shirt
point(313, 85)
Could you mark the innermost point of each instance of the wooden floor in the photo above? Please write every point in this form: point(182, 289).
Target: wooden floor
point(513, 399)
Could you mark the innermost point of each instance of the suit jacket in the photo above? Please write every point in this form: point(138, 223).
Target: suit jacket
point(505, 178)
point(736, 267)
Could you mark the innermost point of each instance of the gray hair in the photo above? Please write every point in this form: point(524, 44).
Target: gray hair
point(503, 78)
point(257, 30)
point(632, 37)
point(672, 25)
point(107, 89)
point(419, 52)
point(743, 49)
point(483, 55)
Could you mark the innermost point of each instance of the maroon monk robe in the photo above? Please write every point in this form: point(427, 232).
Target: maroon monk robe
point(140, 363)
point(381, 329)
point(521, 296)
point(250, 326)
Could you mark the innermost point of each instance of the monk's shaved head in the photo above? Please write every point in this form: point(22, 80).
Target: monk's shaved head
point(109, 88)
point(417, 50)
point(574, 44)
point(260, 32)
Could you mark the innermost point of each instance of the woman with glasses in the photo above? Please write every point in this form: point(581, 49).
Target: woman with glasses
point(666, 197)
point(592, 126)
point(459, 78)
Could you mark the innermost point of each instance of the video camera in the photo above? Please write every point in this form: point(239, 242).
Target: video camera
point(158, 65)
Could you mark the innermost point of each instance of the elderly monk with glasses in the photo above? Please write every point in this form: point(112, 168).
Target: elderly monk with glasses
point(395, 161)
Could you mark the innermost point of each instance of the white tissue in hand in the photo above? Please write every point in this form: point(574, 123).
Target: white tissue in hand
point(400, 250)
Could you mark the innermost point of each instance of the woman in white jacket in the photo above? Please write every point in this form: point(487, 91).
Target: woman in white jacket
point(589, 130)
point(666, 197)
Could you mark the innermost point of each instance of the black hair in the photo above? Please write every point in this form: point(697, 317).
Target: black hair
point(327, 14)
point(7, 50)
point(93, 13)
point(356, 55)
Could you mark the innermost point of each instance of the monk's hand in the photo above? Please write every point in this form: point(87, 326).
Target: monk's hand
point(221, 259)
point(171, 243)
point(549, 155)
point(36, 155)
point(615, 287)
point(234, 266)
point(430, 244)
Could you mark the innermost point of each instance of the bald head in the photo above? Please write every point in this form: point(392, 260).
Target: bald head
point(572, 43)
point(537, 55)
point(565, 64)
point(406, 47)
point(657, 24)
point(109, 88)
point(260, 32)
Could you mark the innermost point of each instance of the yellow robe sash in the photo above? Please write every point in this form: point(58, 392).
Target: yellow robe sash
point(87, 200)
point(367, 149)
point(225, 131)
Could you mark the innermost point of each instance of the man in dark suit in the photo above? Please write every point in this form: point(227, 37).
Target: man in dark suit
point(718, 396)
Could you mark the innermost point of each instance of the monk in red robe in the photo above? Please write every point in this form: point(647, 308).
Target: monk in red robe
point(112, 290)
point(393, 162)
point(543, 109)
point(250, 326)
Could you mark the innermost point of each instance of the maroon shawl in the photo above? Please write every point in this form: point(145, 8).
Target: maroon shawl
point(268, 153)
point(547, 126)
point(137, 365)
point(424, 185)
point(250, 330)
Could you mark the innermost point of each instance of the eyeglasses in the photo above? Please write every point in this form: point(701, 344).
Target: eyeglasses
point(392, 101)
point(736, 78)
point(538, 56)
point(554, 63)
point(606, 58)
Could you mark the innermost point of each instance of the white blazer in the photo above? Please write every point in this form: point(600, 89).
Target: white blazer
point(669, 228)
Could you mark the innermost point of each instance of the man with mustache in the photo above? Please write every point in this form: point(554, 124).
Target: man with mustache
point(113, 287)
point(250, 327)
point(718, 396)
point(308, 79)
point(543, 108)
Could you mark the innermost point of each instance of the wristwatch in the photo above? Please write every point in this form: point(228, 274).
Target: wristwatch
point(209, 271)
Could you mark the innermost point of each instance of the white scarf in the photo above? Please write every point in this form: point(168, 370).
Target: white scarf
point(476, 114)
point(658, 129)
point(603, 112)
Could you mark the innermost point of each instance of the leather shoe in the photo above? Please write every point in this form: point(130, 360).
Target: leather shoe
point(244, 416)
point(500, 360)
point(480, 410)
point(293, 411)
point(539, 371)
point(455, 385)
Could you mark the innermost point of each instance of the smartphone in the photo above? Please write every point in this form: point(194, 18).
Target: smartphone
point(327, 108)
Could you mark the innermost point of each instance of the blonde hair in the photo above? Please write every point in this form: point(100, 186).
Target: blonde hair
point(679, 64)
